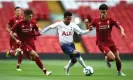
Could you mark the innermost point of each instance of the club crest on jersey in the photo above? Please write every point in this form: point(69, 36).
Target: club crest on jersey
point(66, 33)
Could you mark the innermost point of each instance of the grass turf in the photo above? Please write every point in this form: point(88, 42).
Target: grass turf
point(30, 71)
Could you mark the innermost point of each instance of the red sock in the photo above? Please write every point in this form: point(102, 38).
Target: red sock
point(40, 65)
point(118, 65)
point(20, 58)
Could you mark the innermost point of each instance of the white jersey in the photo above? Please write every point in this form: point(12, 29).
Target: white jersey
point(66, 32)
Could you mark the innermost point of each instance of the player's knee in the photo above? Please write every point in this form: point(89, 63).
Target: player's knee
point(78, 55)
point(111, 56)
point(74, 60)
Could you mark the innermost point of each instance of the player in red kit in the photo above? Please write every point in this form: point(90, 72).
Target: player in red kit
point(27, 30)
point(14, 51)
point(104, 41)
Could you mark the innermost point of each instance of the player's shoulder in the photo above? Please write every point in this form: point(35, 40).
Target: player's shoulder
point(12, 18)
point(72, 23)
point(111, 18)
point(96, 18)
point(58, 22)
point(20, 21)
point(33, 20)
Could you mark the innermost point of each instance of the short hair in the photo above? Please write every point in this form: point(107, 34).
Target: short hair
point(103, 7)
point(17, 8)
point(28, 12)
point(67, 13)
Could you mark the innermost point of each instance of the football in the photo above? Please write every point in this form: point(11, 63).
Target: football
point(88, 71)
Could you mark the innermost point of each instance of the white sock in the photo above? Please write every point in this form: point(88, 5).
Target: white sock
point(81, 61)
point(70, 64)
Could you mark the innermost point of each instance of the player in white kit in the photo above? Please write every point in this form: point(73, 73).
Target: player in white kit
point(66, 29)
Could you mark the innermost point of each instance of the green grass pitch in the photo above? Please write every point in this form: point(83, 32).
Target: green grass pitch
point(30, 71)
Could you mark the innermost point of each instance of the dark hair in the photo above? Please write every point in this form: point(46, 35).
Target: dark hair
point(67, 13)
point(28, 12)
point(17, 8)
point(103, 7)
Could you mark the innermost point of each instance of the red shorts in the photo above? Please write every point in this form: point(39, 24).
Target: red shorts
point(105, 49)
point(13, 44)
point(27, 48)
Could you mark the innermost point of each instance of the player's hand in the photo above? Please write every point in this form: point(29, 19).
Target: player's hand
point(123, 34)
point(18, 42)
point(90, 28)
point(86, 21)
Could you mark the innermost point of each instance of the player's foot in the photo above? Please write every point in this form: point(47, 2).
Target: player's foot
point(67, 70)
point(18, 69)
point(48, 73)
point(108, 64)
point(121, 73)
point(18, 52)
point(8, 53)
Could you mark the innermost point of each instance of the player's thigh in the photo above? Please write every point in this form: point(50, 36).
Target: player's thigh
point(110, 56)
point(13, 45)
point(115, 50)
point(29, 50)
point(68, 49)
point(104, 49)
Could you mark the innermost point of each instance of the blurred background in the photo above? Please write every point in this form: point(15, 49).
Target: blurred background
point(47, 12)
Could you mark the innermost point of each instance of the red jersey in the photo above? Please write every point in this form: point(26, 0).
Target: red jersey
point(103, 30)
point(14, 20)
point(25, 31)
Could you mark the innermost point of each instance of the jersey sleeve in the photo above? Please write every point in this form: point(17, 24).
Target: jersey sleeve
point(10, 22)
point(79, 31)
point(36, 30)
point(15, 27)
point(55, 25)
point(36, 27)
point(115, 22)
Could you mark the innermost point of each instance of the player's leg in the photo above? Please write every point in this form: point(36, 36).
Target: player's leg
point(118, 60)
point(109, 56)
point(72, 51)
point(14, 51)
point(70, 64)
point(79, 58)
point(20, 58)
point(35, 57)
point(11, 52)
point(68, 49)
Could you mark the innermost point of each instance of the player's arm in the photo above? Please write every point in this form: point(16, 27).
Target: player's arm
point(122, 31)
point(79, 31)
point(8, 26)
point(37, 31)
point(14, 31)
point(89, 25)
point(116, 23)
point(49, 27)
point(86, 21)
point(13, 37)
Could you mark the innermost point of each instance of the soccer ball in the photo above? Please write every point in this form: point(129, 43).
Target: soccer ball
point(88, 71)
